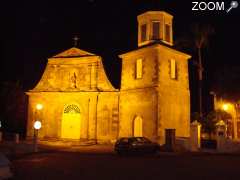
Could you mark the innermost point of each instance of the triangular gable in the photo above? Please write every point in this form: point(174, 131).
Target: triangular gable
point(73, 52)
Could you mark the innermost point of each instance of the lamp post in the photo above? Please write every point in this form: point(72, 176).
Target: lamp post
point(214, 99)
point(229, 108)
point(37, 125)
point(225, 107)
point(0, 131)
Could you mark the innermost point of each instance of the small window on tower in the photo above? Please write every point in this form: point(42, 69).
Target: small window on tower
point(173, 69)
point(139, 68)
point(167, 32)
point(156, 30)
point(143, 32)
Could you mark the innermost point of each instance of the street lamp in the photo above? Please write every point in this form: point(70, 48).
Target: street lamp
point(225, 107)
point(39, 106)
point(37, 125)
point(230, 109)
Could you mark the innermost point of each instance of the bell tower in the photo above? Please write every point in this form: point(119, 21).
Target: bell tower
point(155, 26)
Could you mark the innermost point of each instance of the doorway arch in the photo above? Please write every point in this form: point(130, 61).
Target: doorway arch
point(137, 127)
point(71, 122)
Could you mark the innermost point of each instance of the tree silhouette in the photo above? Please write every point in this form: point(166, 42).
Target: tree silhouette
point(196, 41)
point(13, 107)
point(209, 122)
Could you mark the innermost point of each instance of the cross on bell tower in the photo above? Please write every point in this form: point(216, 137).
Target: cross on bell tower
point(75, 41)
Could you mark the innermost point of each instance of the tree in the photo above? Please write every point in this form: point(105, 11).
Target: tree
point(201, 39)
point(209, 122)
point(195, 117)
point(13, 107)
point(197, 41)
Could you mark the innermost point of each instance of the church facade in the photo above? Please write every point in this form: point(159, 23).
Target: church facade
point(79, 102)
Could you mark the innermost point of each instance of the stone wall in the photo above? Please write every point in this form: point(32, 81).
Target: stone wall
point(162, 101)
point(107, 116)
point(74, 74)
point(150, 71)
point(53, 106)
point(174, 95)
point(139, 102)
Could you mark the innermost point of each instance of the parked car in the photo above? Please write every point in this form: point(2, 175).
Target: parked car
point(126, 145)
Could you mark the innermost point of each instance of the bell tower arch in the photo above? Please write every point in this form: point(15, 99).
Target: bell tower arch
point(155, 26)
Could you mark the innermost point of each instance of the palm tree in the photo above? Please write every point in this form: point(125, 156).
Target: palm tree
point(201, 40)
point(198, 40)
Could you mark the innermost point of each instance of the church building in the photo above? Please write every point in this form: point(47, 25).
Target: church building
point(78, 102)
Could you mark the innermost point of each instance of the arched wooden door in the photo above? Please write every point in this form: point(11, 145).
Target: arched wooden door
point(71, 122)
point(137, 127)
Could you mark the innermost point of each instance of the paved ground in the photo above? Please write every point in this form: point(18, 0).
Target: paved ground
point(108, 166)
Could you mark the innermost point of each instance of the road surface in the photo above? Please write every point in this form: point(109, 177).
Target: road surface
point(108, 166)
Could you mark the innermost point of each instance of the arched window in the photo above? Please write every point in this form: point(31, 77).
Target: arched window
point(72, 109)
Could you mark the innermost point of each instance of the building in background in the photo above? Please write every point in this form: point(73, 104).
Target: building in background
point(233, 108)
point(79, 103)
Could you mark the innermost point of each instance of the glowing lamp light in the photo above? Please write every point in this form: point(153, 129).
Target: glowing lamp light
point(37, 125)
point(225, 107)
point(39, 106)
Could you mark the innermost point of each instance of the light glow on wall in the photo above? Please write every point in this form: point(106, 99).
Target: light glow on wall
point(39, 106)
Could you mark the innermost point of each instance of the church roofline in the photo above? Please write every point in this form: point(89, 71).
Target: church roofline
point(71, 56)
point(69, 91)
point(73, 52)
point(73, 60)
point(155, 44)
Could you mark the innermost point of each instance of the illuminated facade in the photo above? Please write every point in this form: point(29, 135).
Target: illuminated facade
point(79, 102)
point(232, 108)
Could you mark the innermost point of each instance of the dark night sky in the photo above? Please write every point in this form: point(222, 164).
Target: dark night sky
point(32, 31)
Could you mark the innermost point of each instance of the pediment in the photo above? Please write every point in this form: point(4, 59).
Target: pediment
point(73, 52)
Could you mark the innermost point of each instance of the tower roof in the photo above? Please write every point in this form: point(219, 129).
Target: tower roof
point(73, 52)
point(149, 13)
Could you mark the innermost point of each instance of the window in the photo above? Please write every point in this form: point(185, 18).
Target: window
point(139, 68)
point(143, 32)
point(72, 109)
point(137, 127)
point(155, 29)
point(173, 69)
point(167, 32)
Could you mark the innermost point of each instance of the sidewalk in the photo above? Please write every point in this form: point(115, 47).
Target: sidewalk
point(85, 147)
point(10, 148)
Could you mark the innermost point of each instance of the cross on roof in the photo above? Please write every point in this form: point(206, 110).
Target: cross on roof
point(76, 39)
